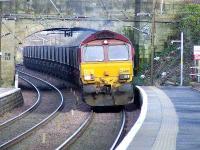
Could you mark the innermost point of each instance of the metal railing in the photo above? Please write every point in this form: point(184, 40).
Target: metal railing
point(195, 73)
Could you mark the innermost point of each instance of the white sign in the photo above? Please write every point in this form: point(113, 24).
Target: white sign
point(196, 52)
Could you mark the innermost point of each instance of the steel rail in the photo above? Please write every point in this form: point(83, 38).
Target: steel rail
point(8, 122)
point(76, 133)
point(120, 131)
point(18, 138)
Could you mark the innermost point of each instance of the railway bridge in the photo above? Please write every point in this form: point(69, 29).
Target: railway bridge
point(16, 26)
point(15, 32)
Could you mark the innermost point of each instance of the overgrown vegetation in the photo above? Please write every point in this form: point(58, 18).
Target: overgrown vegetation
point(164, 63)
point(167, 66)
point(190, 23)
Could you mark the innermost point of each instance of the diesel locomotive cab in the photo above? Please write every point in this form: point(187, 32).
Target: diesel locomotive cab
point(101, 62)
point(107, 72)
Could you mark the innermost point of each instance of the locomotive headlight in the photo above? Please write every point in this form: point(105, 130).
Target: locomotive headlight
point(89, 77)
point(105, 42)
point(124, 76)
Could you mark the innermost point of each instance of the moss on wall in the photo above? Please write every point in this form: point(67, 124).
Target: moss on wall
point(8, 54)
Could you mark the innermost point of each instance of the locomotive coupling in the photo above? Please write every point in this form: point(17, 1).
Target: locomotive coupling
point(108, 96)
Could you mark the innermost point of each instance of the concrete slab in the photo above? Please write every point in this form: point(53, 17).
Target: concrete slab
point(172, 120)
point(2, 90)
point(160, 127)
point(187, 104)
point(7, 91)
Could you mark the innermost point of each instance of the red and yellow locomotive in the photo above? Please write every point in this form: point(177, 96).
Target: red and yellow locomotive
point(101, 64)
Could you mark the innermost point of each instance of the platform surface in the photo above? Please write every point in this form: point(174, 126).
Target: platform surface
point(6, 91)
point(187, 104)
point(2, 90)
point(172, 121)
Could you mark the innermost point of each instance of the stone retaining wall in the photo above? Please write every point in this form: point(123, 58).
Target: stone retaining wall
point(10, 100)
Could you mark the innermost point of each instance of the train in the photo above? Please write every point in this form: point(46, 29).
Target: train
point(101, 63)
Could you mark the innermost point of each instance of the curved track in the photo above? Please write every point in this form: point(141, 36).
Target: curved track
point(74, 136)
point(23, 126)
point(120, 131)
point(12, 120)
point(111, 123)
point(93, 128)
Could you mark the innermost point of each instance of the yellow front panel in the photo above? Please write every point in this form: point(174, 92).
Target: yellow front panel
point(106, 72)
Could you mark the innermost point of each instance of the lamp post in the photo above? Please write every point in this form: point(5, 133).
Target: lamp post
point(181, 71)
point(181, 59)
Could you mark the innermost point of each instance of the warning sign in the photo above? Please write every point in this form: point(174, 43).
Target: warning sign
point(196, 52)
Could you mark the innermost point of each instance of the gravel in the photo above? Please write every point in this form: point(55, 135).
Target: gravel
point(132, 114)
point(60, 128)
point(101, 133)
point(49, 102)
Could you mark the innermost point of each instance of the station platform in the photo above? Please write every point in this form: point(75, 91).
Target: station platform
point(172, 121)
point(3, 91)
point(9, 99)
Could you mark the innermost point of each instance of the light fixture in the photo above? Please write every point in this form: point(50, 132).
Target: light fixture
point(105, 42)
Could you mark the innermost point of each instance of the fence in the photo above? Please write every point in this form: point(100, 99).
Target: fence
point(195, 74)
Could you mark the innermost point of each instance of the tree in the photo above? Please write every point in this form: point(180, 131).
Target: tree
point(190, 22)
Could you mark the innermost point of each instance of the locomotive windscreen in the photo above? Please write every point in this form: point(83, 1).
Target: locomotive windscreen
point(93, 53)
point(118, 52)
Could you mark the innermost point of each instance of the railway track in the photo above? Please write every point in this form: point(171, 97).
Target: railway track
point(21, 115)
point(69, 119)
point(75, 135)
point(24, 125)
point(120, 131)
point(78, 139)
point(71, 134)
